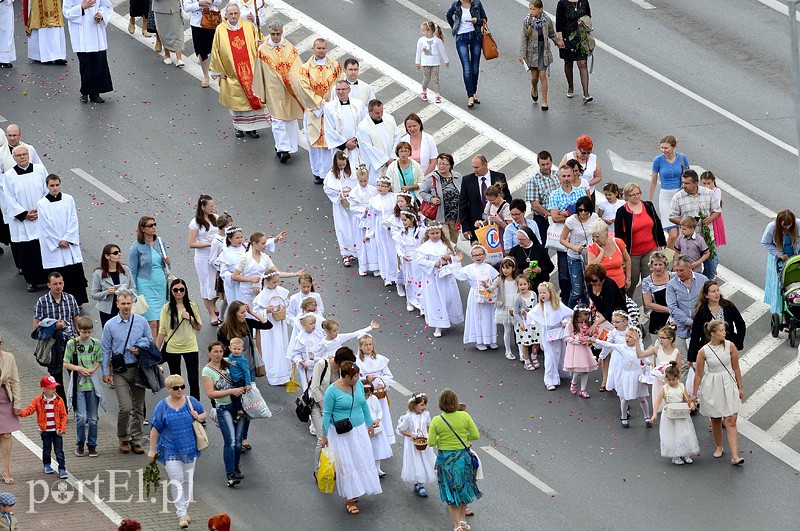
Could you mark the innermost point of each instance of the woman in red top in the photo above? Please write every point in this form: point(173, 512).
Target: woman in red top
point(610, 253)
point(637, 224)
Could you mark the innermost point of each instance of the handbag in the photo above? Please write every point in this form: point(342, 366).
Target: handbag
point(473, 457)
point(304, 402)
point(200, 434)
point(344, 426)
point(210, 19)
point(488, 45)
point(428, 209)
point(140, 305)
point(118, 364)
point(258, 365)
point(553, 241)
point(42, 351)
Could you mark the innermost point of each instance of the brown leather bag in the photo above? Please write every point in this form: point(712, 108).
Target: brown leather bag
point(211, 19)
point(489, 46)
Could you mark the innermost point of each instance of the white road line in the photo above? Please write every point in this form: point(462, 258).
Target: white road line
point(501, 160)
point(780, 7)
point(380, 83)
point(728, 289)
point(518, 470)
point(403, 390)
point(291, 26)
point(471, 148)
point(97, 184)
point(187, 34)
point(771, 387)
point(745, 286)
point(448, 130)
point(784, 425)
point(88, 494)
point(768, 443)
point(755, 205)
point(643, 4)
point(3, 119)
point(753, 312)
point(425, 14)
point(305, 45)
point(395, 103)
point(428, 112)
point(750, 357)
point(337, 53)
point(518, 181)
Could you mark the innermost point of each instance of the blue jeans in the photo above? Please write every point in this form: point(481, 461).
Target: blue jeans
point(86, 413)
point(468, 46)
point(577, 292)
point(231, 436)
point(247, 424)
point(710, 265)
point(564, 282)
point(53, 441)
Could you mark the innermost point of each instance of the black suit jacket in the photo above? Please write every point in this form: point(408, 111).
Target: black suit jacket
point(470, 202)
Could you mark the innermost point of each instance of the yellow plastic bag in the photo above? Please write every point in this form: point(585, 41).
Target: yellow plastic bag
point(326, 475)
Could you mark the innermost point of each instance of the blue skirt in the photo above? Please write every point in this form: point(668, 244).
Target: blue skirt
point(456, 477)
point(772, 286)
point(154, 290)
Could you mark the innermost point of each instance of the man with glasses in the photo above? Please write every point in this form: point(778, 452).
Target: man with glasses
point(120, 365)
point(693, 200)
point(22, 187)
point(561, 204)
point(683, 289)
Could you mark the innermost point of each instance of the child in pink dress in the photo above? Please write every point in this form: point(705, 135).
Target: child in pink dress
point(578, 357)
point(709, 180)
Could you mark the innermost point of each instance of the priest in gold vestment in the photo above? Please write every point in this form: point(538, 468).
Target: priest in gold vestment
point(233, 55)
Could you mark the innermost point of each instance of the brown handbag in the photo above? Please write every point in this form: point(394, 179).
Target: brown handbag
point(489, 46)
point(211, 19)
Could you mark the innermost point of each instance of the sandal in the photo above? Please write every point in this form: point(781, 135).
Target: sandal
point(351, 507)
point(737, 462)
point(573, 388)
point(246, 446)
point(602, 389)
point(469, 512)
point(583, 394)
point(8, 481)
point(718, 455)
point(529, 366)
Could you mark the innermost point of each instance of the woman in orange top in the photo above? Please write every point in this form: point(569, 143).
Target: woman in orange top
point(611, 253)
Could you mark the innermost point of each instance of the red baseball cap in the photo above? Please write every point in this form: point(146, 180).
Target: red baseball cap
point(48, 382)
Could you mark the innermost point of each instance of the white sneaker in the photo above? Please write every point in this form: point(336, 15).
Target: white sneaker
point(493, 346)
point(311, 429)
point(437, 332)
point(376, 273)
point(688, 460)
point(677, 461)
point(401, 291)
point(510, 356)
point(409, 307)
point(387, 283)
point(480, 346)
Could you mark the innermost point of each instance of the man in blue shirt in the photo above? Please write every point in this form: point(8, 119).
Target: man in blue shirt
point(561, 204)
point(120, 335)
point(682, 292)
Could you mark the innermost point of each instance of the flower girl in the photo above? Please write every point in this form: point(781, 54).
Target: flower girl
point(678, 438)
point(418, 465)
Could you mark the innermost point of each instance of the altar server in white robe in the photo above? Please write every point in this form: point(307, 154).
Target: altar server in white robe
point(8, 50)
point(11, 139)
point(377, 136)
point(60, 239)
point(87, 21)
point(22, 187)
point(358, 87)
point(270, 302)
point(339, 182)
point(342, 116)
point(438, 261)
point(44, 26)
point(379, 210)
point(479, 327)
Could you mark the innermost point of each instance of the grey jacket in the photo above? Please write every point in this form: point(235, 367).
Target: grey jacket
point(519, 306)
point(100, 285)
point(529, 47)
point(426, 191)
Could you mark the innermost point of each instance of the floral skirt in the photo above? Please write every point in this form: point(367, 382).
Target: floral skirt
point(457, 485)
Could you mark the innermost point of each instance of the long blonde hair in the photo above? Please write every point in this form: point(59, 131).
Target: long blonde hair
point(555, 302)
point(780, 232)
point(445, 239)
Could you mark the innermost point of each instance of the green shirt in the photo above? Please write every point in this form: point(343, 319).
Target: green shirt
point(88, 354)
point(441, 436)
point(214, 375)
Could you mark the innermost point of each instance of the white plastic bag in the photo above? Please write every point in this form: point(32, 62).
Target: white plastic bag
point(254, 405)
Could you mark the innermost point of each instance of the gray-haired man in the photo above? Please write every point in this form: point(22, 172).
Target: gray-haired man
point(682, 292)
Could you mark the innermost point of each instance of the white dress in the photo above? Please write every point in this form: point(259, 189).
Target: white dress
point(359, 203)
point(226, 262)
point(441, 300)
point(336, 189)
point(275, 341)
point(678, 438)
point(627, 384)
point(379, 367)
point(406, 244)
point(615, 337)
point(294, 311)
point(305, 347)
point(248, 266)
point(662, 359)
point(380, 208)
point(479, 326)
point(381, 449)
point(501, 314)
point(719, 388)
point(418, 467)
point(206, 274)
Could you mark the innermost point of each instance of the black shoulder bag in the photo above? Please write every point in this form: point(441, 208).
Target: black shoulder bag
point(343, 426)
point(304, 402)
point(118, 365)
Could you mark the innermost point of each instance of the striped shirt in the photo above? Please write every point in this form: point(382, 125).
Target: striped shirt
point(66, 310)
point(50, 413)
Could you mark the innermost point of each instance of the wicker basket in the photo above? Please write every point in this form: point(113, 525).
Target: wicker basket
point(379, 393)
point(280, 313)
point(420, 443)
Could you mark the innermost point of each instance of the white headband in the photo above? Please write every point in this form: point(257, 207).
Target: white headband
point(416, 396)
point(434, 226)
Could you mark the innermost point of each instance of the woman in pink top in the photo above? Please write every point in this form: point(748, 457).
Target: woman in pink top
point(423, 146)
point(611, 253)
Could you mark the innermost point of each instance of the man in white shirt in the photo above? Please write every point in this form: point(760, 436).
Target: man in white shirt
point(360, 88)
point(87, 20)
point(377, 137)
point(342, 116)
point(22, 187)
point(59, 238)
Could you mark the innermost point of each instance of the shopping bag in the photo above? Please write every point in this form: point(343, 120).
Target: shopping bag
point(553, 241)
point(490, 238)
point(254, 405)
point(140, 305)
point(326, 474)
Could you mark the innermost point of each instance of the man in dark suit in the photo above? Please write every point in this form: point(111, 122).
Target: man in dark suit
point(472, 198)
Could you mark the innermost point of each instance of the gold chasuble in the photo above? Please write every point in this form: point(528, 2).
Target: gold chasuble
point(318, 82)
point(277, 80)
point(44, 14)
point(233, 53)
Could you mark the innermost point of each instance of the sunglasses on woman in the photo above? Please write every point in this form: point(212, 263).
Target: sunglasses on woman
point(178, 290)
point(179, 387)
point(115, 253)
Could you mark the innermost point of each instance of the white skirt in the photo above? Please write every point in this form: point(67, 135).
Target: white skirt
point(206, 274)
point(354, 462)
point(418, 467)
point(664, 203)
point(381, 449)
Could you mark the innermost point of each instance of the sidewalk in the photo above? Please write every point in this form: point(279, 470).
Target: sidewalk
point(101, 490)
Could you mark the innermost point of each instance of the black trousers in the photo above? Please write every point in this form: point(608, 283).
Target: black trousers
point(191, 359)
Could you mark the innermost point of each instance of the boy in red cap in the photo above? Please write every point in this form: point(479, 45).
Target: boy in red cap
point(51, 414)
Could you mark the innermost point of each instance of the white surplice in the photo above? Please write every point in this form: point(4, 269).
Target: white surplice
point(376, 144)
point(337, 189)
point(21, 193)
point(479, 327)
point(441, 300)
point(8, 50)
point(85, 34)
point(341, 124)
point(380, 208)
point(7, 159)
point(58, 220)
point(47, 44)
point(362, 90)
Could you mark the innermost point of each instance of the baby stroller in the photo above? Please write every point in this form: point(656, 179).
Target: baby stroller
point(789, 319)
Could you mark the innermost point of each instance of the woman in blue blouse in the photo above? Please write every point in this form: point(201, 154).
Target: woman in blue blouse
point(149, 269)
point(667, 170)
point(356, 474)
point(781, 242)
point(172, 439)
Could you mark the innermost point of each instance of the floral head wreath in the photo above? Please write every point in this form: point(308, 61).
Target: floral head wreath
point(582, 308)
point(416, 396)
point(231, 230)
point(265, 276)
point(404, 194)
point(362, 336)
point(307, 314)
point(384, 179)
point(433, 226)
point(344, 155)
point(409, 213)
point(620, 313)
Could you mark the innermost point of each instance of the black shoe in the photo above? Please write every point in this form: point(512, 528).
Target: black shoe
point(79, 449)
point(61, 62)
point(284, 156)
point(318, 179)
point(2, 251)
point(253, 134)
point(239, 134)
point(84, 98)
point(97, 99)
point(19, 271)
point(545, 108)
point(238, 473)
point(32, 288)
point(6, 65)
point(233, 480)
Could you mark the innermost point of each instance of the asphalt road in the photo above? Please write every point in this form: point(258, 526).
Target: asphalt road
point(160, 140)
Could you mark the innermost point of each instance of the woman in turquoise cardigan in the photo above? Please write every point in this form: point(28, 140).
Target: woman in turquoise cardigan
point(450, 432)
point(356, 474)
